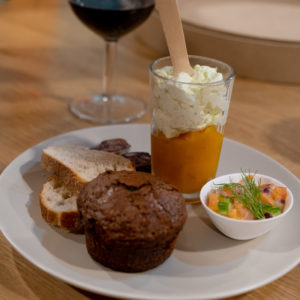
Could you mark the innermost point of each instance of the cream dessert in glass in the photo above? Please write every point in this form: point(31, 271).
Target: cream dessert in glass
point(188, 118)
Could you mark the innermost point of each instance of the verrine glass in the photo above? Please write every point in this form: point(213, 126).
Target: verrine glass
point(110, 19)
point(188, 121)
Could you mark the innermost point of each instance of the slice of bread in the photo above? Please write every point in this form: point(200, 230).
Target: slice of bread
point(59, 205)
point(77, 165)
point(73, 167)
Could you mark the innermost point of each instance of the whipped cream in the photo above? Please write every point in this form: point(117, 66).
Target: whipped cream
point(184, 103)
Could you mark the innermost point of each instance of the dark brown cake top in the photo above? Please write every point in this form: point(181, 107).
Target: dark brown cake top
point(132, 206)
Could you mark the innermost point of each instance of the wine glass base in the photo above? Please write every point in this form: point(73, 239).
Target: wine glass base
point(109, 109)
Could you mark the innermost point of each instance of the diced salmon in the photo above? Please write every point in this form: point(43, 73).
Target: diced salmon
point(233, 213)
point(266, 198)
point(270, 194)
point(243, 213)
point(226, 192)
point(279, 193)
point(213, 200)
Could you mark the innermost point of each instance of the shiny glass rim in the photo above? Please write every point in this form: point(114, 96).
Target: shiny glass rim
point(230, 77)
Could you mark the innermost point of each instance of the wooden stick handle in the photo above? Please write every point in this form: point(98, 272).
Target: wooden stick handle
point(172, 27)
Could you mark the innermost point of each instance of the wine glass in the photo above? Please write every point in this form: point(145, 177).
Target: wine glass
point(110, 19)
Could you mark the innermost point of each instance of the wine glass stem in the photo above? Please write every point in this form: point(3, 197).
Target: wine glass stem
point(109, 69)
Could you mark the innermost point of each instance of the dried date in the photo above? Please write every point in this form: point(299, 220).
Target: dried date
point(118, 146)
point(140, 160)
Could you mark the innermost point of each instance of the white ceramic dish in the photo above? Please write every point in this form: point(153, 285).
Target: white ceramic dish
point(205, 263)
point(243, 229)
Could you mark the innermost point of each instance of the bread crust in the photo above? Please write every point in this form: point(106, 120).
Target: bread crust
point(66, 175)
point(68, 220)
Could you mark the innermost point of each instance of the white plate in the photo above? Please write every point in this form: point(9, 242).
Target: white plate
point(249, 18)
point(204, 265)
point(246, 34)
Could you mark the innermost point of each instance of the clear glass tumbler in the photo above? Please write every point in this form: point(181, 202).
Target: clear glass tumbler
point(187, 123)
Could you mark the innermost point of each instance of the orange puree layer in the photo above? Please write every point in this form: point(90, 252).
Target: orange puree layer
point(187, 161)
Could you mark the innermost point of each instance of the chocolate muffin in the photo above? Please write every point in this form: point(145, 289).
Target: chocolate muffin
point(131, 220)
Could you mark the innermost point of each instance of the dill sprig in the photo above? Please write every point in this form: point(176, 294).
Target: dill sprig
point(247, 193)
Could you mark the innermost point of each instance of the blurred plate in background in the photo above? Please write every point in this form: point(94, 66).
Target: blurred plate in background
point(260, 39)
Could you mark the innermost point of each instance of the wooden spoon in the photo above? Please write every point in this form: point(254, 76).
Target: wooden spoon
point(172, 27)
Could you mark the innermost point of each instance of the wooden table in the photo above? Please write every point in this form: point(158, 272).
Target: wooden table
point(47, 57)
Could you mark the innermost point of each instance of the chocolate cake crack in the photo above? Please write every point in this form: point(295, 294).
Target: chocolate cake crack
point(130, 187)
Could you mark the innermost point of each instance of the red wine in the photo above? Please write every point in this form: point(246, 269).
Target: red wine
point(112, 18)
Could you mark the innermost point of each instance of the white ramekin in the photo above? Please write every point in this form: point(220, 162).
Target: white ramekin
point(243, 229)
